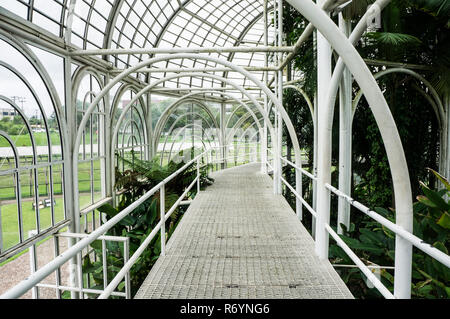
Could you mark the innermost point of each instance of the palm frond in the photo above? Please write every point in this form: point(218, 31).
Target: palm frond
point(394, 39)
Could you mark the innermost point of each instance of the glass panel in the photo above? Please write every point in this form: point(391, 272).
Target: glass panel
point(84, 184)
point(58, 193)
point(8, 213)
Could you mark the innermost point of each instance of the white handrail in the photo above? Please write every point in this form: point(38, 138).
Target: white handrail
point(308, 207)
point(305, 172)
point(416, 241)
point(35, 278)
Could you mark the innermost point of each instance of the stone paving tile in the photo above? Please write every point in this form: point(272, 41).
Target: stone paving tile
point(238, 240)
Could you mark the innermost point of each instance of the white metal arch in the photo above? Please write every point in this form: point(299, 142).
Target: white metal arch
point(181, 144)
point(162, 121)
point(237, 125)
point(124, 88)
point(234, 113)
point(391, 139)
point(436, 104)
point(172, 127)
point(170, 132)
point(440, 111)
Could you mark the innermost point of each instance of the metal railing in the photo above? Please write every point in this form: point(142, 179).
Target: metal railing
point(366, 270)
point(34, 280)
point(80, 289)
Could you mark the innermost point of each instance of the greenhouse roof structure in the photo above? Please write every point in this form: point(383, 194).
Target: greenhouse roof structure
point(169, 130)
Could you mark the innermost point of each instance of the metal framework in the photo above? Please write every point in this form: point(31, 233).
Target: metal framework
point(94, 71)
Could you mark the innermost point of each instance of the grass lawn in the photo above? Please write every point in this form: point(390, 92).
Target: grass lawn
point(41, 139)
point(9, 219)
point(24, 140)
point(7, 189)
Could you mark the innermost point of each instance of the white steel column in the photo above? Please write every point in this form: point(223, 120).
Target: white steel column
point(345, 137)
point(315, 159)
point(279, 32)
point(151, 151)
point(323, 194)
point(107, 164)
point(276, 172)
point(447, 156)
point(264, 136)
point(70, 197)
point(222, 135)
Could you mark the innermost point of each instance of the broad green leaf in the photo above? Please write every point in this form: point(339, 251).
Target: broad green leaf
point(373, 236)
point(382, 211)
point(435, 198)
point(447, 290)
point(424, 200)
point(444, 221)
point(441, 178)
point(108, 209)
point(97, 245)
point(121, 286)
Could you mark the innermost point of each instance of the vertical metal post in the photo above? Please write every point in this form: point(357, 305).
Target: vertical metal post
point(104, 264)
point(162, 204)
point(324, 135)
point(264, 136)
point(198, 176)
point(70, 198)
point(275, 139)
point(222, 135)
point(193, 130)
point(299, 190)
point(126, 252)
point(235, 151)
point(246, 157)
point(345, 137)
point(217, 153)
point(280, 97)
point(33, 263)
point(315, 160)
point(108, 162)
point(58, 270)
point(151, 152)
point(80, 275)
point(446, 100)
point(1, 231)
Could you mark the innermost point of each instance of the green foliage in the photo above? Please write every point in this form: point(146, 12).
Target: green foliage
point(433, 7)
point(132, 184)
point(412, 31)
point(376, 244)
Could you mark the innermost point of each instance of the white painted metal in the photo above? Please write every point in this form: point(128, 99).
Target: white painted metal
point(391, 139)
point(279, 26)
point(323, 83)
point(180, 50)
point(322, 151)
point(162, 204)
point(75, 250)
point(345, 137)
point(264, 137)
point(399, 230)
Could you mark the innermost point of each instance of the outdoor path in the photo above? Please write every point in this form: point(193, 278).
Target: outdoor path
point(238, 240)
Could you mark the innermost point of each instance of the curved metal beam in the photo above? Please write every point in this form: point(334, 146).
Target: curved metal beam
point(171, 109)
point(440, 111)
point(173, 127)
point(391, 140)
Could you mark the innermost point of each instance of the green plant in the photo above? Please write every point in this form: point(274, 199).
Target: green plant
point(141, 177)
point(376, 244)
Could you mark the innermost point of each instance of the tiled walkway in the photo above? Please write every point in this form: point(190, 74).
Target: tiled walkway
point(239, 240)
